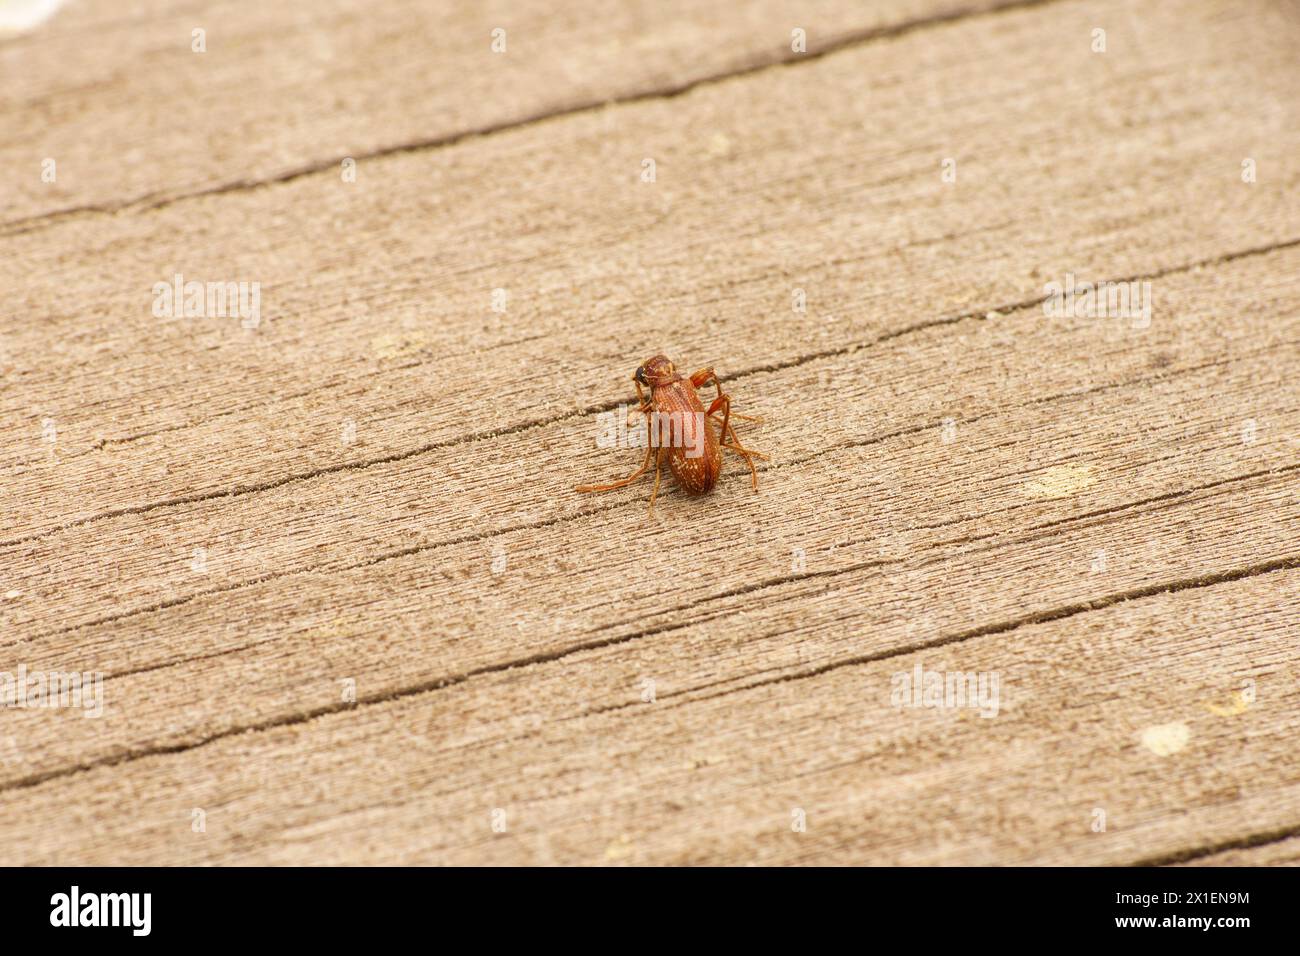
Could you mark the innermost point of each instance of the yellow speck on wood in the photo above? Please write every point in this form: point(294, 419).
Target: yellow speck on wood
point(719, 145)
point(1060, 481)
point(1165, 739)
point(620, 849)
point(1238, 703)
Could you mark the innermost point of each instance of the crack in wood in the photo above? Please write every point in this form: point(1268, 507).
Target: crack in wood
point(382, 557)
point(486, 435)
point(425, 687)
point(759, 63)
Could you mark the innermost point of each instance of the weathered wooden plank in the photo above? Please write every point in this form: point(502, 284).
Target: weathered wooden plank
point(284, 88)
point(1108, 496)
point(1170, 754)
point(377, 299)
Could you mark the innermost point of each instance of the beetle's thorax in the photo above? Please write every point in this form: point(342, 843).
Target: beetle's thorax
point(673, 381)
point(657, 371)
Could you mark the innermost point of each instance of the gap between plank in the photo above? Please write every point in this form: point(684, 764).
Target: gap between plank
point(1026, 537)
point(1041, 617)
point(759, 62)
point(733, 592)
point(1264, 838)
point(401, 455)
point(384, 556)
point(35, 780)
point(340, 381)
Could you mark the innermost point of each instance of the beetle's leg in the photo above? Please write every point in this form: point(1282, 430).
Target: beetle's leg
point(659, 473)
point(703, 377)
point(706, 375)
point(737, 446)
point(624, 482)
point(724, 402)
point(747, 454)
point(744, 451)
point(643, 405)
point(731, 430)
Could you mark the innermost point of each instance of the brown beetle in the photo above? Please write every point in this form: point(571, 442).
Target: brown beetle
point(692, 449)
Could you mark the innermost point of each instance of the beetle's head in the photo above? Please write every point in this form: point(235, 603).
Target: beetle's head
point(656, 371)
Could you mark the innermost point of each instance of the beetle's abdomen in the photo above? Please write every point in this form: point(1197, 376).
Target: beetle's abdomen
point(692, 447)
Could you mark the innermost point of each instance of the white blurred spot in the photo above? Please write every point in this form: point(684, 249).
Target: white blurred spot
point(1165, 739)
point(18, 16)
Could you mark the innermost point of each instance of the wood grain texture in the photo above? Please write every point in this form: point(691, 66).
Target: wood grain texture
point(857, 496)
point(284, 89)
point(716, 779)
point(401, 305)
point(372, 490)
